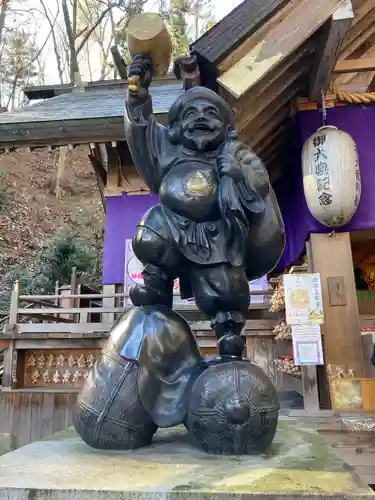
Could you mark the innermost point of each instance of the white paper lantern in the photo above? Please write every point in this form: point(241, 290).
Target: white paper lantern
point(331, 176)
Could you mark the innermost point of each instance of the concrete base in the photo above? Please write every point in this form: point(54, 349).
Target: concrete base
point(299, 465)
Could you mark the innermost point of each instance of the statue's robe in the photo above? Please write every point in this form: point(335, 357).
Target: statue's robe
point(210, 220)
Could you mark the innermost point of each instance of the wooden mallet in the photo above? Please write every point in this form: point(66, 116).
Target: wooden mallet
point(148, 34)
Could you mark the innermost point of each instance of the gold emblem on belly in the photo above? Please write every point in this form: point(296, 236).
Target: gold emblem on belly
point(199, 184)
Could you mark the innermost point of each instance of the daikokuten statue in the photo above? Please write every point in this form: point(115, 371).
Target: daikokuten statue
point(218, 224)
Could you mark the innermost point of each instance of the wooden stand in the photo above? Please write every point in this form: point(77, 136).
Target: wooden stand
point(331, 256)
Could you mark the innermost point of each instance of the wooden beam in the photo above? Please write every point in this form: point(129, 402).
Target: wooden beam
point(119, 63)
point(269, 106)
point(362, 21)
point(303, 103)
point(360, 12)
point(333, 34)
point(358, 35)
point(277, 44)
point(100, 175)
point(371, 87)
point(238, 25)
point(294, 62)
point(255, 37)
point(274, 123)
point(293, 66)
point(341, 329)
point(23, 134)
point(355, 65)
point(276, 174)
point(359, 78)
point(37, 92)
point(276, 108)
point(276, 143)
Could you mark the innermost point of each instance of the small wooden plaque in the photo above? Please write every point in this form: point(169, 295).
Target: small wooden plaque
point(57, 368)
point(336, 291)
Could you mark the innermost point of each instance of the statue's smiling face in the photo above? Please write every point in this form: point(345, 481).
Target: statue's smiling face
point(202, 126)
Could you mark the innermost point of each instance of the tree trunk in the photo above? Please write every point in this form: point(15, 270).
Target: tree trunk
point(54, 40)
point(115, 38)
point(89, 63)
point(74, 67)
point(3, 11)
point(62, 160)
point(196, 19)
point(12, 97)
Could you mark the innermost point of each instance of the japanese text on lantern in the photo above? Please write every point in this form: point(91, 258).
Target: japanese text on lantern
point(357, 185)
point(322, 171)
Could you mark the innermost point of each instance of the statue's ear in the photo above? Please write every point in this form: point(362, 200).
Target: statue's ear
point(174, 133)
point(232, 133)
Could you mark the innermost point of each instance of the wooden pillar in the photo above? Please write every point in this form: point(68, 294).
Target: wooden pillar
point(331, 256)
point(108, 302)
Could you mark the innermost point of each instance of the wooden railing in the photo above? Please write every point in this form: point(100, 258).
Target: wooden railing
point(45, 314)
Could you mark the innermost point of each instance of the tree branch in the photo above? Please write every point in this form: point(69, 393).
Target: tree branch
point(54, 39)
point(74, 68)
point(37, 54)
point(94, 26)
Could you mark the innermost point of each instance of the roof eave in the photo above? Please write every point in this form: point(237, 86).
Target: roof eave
point(67, 132)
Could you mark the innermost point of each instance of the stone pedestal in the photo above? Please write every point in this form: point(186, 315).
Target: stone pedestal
point(298, 465)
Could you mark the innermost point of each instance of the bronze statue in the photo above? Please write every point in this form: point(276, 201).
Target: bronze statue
point(217, 226)
point(151, 374)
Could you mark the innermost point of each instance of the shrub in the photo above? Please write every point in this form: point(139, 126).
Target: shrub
point(55, 262)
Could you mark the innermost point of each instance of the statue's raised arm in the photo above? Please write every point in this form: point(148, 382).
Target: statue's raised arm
point(145, 137)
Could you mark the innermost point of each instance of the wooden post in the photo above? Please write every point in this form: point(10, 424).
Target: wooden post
point(10, 354)
point(309, 376)
point(57, 299)
point(186, 69)
point(14, 303)
point(331, 256)
point(108, 318)
point(74, 291)
point(328, 50)
point(10, 366)
point(310, 388)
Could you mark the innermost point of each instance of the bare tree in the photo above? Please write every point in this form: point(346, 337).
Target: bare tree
point(70, 27)
point(96, 20)
point(3, 11)
point(56, 49)
point(90, 11)
point(77, 38)
point(21, 56)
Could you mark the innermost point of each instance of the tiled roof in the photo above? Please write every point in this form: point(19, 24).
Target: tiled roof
point(102, 103)
point(94, 115)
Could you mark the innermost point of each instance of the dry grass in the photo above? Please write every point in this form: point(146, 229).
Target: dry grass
point(29, 210)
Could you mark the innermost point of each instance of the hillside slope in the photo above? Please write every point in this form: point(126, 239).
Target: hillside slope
point(29, 211)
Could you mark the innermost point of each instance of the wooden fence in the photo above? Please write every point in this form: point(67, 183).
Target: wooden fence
point(30, 416)
point(43, 308)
